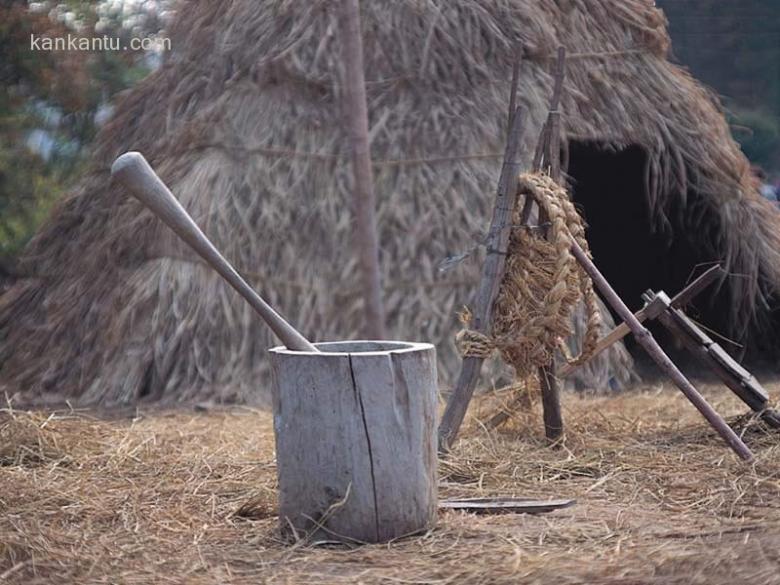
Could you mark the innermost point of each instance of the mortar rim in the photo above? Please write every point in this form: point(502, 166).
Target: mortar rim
point(404, 347)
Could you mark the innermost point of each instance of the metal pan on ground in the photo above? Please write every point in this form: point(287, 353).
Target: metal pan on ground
point(505, 505)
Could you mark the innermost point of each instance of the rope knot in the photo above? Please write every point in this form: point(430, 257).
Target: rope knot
point(474, 344)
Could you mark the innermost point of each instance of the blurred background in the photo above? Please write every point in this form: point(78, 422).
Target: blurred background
point(51, 103)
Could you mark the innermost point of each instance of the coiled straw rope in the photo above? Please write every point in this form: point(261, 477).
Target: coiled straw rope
point(542, 283)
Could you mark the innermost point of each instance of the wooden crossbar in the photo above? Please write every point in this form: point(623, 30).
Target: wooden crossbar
point(650, 311)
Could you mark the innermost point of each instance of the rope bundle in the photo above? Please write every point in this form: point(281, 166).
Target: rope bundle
point(542, 284)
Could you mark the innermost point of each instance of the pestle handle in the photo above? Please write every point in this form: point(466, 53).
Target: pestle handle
point(136, 174)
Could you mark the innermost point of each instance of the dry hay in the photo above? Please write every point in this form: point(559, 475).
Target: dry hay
point(243, 122)
point(177, 497)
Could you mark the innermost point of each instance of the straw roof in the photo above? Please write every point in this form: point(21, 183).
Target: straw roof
point(243, 122)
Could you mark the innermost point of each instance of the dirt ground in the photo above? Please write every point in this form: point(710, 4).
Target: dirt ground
point(188, 497)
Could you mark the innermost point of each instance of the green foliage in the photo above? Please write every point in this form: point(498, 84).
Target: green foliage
point(758, 133)
point(30, 187)
point(55, 96)
point(734, 47)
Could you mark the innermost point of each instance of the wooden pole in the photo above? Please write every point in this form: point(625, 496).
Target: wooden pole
point(492, 274)
point(493, 268)
point(650, 345)
point(366, 240)
point(515, 82)
point(548, 383)
point(553, 152)
point(547, 151)
point(550, 134)
point(551, 404)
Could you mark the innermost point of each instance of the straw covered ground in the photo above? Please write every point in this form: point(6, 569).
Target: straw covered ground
point(188, 497)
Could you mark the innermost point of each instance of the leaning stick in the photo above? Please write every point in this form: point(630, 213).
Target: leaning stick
point(492, 274)
point(135, 173)
point(650, 345)
point(493, 268)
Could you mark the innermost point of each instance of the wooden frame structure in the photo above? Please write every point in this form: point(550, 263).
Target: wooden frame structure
point(668, 310)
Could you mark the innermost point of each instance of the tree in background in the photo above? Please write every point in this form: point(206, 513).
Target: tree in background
point(51, 102)
point(734, 47)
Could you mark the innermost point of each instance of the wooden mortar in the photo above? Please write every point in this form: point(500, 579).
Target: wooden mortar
point(355, 429)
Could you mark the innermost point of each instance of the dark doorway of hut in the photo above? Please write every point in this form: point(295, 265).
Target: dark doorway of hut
point(630, 245)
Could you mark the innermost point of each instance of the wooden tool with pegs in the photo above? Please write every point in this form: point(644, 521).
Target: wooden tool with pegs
point(669, 313)
point(713, 356)
point(650, 311)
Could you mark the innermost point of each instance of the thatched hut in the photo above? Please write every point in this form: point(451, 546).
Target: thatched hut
point(243, 122)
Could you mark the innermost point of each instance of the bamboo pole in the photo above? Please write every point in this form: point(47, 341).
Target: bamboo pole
point(493, 268)
point(492, 274)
